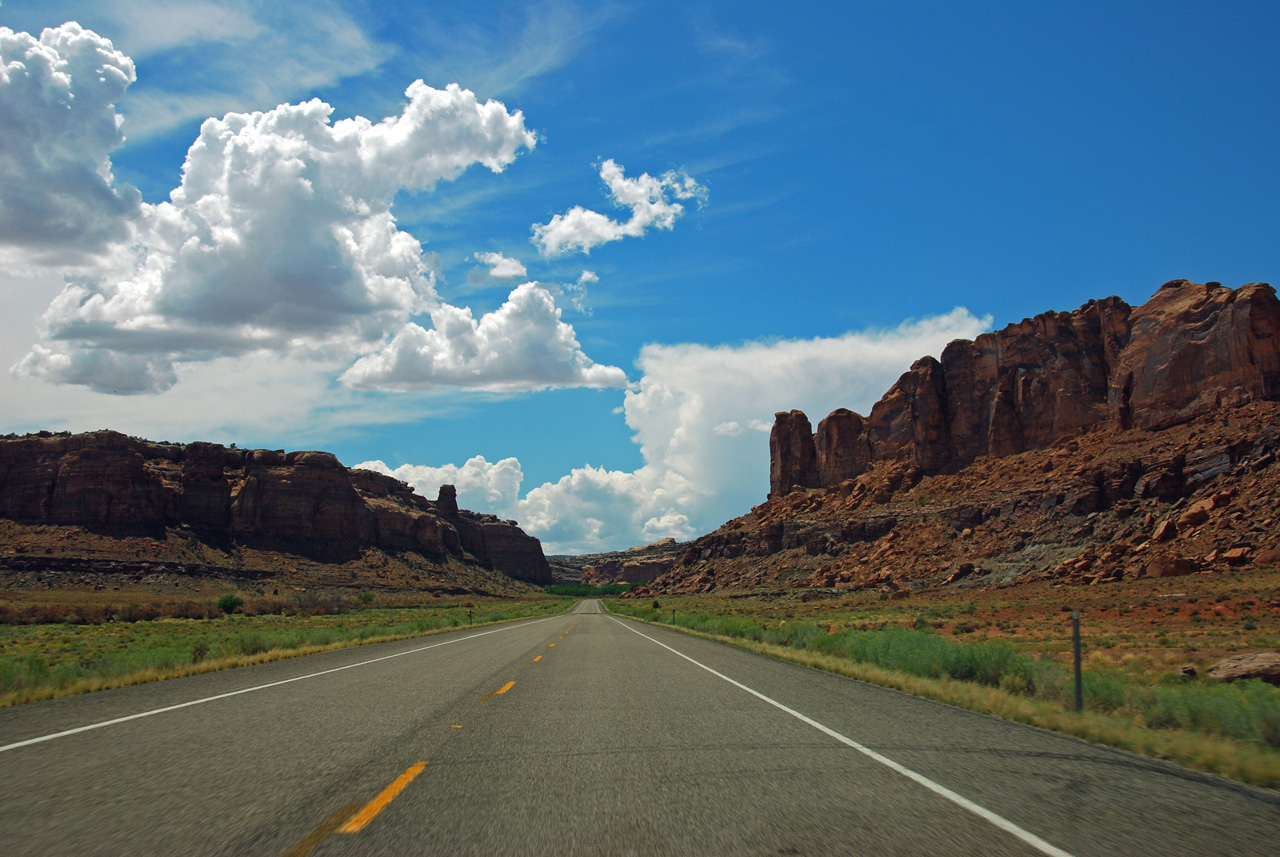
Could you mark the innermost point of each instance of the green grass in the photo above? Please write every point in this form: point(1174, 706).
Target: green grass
point(51, 660)
point(1231, 729)
point(586, 590)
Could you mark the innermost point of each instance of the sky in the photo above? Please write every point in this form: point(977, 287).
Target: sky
point(573, 257)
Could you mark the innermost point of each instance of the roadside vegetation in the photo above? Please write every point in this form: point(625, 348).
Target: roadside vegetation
point(586, 590)
point(1007, 653)
point(93, 645)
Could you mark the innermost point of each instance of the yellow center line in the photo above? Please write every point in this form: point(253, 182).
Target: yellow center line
point(375, 806)
point(538, 658)
point(308, 843)
point(552, 646)
point(488, 696)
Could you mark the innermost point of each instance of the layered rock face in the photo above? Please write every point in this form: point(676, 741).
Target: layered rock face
point(1106, 444)
point(1191, 348)
point(106, 479)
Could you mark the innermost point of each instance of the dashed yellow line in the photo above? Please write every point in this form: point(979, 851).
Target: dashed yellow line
point(491, 694)
point(378, 804)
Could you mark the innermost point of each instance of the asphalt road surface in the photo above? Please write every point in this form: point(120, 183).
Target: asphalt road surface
point(580, 734)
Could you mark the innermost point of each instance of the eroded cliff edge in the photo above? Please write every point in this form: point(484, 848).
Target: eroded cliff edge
point(1106, 443)
point(1190, 349)
point(105, 488)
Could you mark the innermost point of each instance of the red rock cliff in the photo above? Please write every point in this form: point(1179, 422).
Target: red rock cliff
point(106, 479)
point(1189, 349)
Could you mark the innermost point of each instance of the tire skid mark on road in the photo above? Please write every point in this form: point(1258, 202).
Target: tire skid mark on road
point(312, 840)
point(102, 724)
point(937, 788)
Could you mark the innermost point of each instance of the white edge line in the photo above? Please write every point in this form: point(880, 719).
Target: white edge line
point(42, 738)
point(958, 799)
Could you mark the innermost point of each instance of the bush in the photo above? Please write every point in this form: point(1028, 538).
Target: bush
point(230, 603)
point(199, 651)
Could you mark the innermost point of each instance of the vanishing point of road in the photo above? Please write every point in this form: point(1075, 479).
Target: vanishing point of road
point(583, 733)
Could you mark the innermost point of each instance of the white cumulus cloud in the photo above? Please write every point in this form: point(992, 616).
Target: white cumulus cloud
point(493, 486)
point(502, 267)
point(653, 203)
point(523, 345)
point(701, 415)
point(58, 126)
point(279, 239)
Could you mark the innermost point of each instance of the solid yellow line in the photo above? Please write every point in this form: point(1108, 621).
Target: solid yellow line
point(308, 843)
point(379, 803)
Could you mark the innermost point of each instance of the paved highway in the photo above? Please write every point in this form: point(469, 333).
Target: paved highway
point(580, 734)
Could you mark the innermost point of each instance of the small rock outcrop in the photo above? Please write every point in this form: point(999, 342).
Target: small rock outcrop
point(1260, 665)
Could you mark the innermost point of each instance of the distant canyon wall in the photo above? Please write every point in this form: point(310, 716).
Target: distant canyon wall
point(108, 479)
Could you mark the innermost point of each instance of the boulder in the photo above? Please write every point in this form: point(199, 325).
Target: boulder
point(1164, 531)
point(1261, 665)
point(1170, 566)
point(1195, 515)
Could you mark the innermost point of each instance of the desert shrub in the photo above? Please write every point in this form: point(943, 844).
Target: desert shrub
point(193, 610)
point(1104, 691)
point(229, 603)
point(199, 651)
point(1264, 701)
point(10, 675)
point(266, 606)
point(251, 643)
point(139, 612)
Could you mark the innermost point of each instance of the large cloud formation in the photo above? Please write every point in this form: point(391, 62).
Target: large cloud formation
point(701, 416)
point(653, 203)
point(280, 238)
point(521, 346)
point(58, 126)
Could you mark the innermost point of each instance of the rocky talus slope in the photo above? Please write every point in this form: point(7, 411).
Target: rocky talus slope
point(1108, 443)
point(94, 501)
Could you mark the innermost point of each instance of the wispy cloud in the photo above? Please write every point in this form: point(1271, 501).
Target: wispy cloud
point(208, 58)
point(501, 56)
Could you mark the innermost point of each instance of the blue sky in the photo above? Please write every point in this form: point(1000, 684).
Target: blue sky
point(799, 201)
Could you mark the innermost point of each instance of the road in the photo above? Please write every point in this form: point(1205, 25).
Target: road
point(580, 734)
